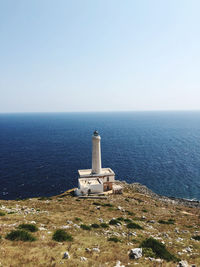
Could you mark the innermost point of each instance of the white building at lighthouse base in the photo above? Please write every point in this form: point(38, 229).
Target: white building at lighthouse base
point(95, 183)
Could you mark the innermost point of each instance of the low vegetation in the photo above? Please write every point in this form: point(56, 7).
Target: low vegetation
point(20, 235)
point(158, 249)
point(95, 225)
point(114, 222)
point(60, 235)
point(196, 237)
point(170, 221)
point(97, 230)
point(85, 227)
point(114, 239)
point(28, 227)
point(104, 225)
point(2, 213)
point(133, 225)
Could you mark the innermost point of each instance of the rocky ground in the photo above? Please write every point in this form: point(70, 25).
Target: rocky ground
point(105, 239)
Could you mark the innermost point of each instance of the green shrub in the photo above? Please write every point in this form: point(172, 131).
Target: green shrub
point(20, 235)
point(159, 249)
point(148, 252)
point(95, 225)
point(133, 225)
point(104, 225)
point(114, 222)
point(96, 203)
point(196, 237)
point(114, 239)
point(107, 205)
point(120, 218)
point(144, 210)
point(188, 226)
point(127, 220)
point(2, 213)
point(130, 213)
point(28, 227)
point(60, 235)
point(77, 219)
point(85, 227)
point(134, 240)
point(170, 221)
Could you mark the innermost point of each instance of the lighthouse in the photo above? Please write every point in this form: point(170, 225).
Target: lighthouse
point(96, 153)
point(97, 179)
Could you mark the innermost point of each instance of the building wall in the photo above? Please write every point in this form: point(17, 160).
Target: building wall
point(107, 186)
point(95, 188)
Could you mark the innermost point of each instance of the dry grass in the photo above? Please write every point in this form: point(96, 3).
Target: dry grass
point(53, 214)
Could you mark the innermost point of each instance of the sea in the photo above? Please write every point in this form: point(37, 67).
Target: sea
point(40, 153)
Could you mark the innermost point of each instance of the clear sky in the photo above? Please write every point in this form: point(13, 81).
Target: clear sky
point(99, 55)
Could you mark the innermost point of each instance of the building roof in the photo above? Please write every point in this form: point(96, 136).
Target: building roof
point(88, 173)
point(91, 181)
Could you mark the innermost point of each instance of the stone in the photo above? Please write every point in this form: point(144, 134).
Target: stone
point(42, 229)
point(83, 259)
point(151, 221)
point(183, 264)
point(76, 226)
point(88, 250)
point(66, 255)
point(96, 250)
point(118, 264)
point(65, 226)
point(135, 253)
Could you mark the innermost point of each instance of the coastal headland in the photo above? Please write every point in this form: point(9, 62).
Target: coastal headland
point(100, 232)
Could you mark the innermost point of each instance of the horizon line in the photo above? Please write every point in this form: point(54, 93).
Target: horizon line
point(98, 111)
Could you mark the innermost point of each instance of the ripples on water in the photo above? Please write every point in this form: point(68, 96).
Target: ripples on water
point(41, 153)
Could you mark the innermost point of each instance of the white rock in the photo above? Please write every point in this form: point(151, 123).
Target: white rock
point(135, 253)
point(158, 260)
point(183, 264)
point(118, 264)
point(83, 259)
point(96, 250)
point(69, 222)
point(65, 226)
point(76, 226)
point(151, 221)
point(42, 229)
point(66, 255)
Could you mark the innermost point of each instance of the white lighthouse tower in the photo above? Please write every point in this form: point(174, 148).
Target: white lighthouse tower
point(98, 179)
point(96, 153)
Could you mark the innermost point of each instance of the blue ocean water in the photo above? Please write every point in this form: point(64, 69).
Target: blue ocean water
point(41, 153)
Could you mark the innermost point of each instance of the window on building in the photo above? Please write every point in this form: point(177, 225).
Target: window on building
point(107, 179)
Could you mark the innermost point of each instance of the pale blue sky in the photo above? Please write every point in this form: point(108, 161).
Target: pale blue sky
point(99, 55)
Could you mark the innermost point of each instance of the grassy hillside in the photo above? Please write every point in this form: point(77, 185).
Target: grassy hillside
point(100, 232)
